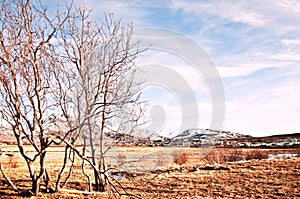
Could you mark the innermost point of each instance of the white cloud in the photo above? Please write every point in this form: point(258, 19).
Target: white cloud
point(290, 5)
point(129, 11)
point(275, 115)
point(242, 15)
point(243, 38)
point(178, 65)
point(242, 66)
point(242, 70)
point(236, 12)
point(289, 42)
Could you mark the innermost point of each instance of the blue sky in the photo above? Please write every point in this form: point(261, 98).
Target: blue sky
point(254, 45)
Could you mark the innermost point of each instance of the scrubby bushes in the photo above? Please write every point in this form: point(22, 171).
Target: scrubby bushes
point(219, 155)
point(256, 154)
point(179, 157)
point(223, 155)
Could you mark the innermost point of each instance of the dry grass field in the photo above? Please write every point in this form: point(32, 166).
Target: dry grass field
point(162, 172)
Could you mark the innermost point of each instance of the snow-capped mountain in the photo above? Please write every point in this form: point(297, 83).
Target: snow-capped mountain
point(147, 134)
point(190, 137)
point(192, 134)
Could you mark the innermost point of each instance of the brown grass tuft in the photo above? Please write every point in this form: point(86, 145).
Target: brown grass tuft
point(179, 157)
point(256, 154)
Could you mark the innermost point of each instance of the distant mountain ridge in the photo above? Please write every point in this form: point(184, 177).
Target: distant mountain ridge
point(190, 137)
point(189, 134)
point(205, 133)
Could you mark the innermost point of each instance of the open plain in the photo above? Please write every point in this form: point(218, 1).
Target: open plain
point(166, 172)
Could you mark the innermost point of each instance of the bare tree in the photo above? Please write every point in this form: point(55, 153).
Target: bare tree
point(69, 66)
point(105, 93)
point(28, 56)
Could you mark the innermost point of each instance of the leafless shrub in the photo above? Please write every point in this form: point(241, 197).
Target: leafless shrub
point(223, 156)
point(256, 154)
point(121, 158)
point(297, 151)
point(214, 156)
point(159, 162)
point(179, 157)
point(233, 155)
point(12, 162)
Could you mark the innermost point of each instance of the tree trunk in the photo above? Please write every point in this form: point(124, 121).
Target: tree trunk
point(36, 178)
point(99, 185)
point(35, 189)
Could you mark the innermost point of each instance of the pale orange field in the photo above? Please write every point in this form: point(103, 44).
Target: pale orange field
point(162, 172)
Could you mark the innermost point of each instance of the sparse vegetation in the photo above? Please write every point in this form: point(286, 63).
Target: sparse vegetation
point(297, 151)
point(121, 158)
point(256, 154)
point(236, 154)
point(194, 179)
point(219, 155)
point(179, 157)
